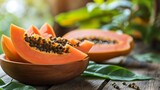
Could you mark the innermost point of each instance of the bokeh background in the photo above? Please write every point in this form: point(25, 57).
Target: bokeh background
point(138, 18)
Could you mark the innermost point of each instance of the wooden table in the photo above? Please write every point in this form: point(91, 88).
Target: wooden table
point(80, 83)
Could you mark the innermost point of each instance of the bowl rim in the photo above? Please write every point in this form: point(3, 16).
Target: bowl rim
point(2, 58)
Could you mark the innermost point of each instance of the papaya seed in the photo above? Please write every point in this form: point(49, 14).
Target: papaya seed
point(98, 40)
point(49, 45)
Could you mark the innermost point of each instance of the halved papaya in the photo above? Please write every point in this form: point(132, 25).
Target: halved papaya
point(108, 44)
point(9, 50)
point(35, 55)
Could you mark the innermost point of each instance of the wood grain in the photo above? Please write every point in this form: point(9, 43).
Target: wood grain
point(79, 84)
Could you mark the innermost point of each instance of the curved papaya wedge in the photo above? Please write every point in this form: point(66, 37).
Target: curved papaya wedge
point(9, 50)
point(46, 31)
point(84, 46)
point(37, 57)
point(32, 30)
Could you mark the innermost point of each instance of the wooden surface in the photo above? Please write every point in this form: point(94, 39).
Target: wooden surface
point(79, 83)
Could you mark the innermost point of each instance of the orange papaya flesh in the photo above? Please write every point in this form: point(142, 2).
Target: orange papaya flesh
point(118, 44)
point(32, 30)
point(74, 41)
point(9, 50)
point(83, 46)
point(35, 56)
point(47, 31)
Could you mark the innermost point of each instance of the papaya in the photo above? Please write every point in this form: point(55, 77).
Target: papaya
point(83, 46)
point(9, 50)
point(108, 44)
point(32, 30)
point(38, 49)
point(47, 31)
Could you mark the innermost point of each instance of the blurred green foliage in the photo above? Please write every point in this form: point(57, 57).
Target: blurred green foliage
point(32, 12)
point(100, 13)
point(134, 17)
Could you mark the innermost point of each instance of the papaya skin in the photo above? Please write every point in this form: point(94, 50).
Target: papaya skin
point(102, 52)
point(9, 50)
point(36, 57)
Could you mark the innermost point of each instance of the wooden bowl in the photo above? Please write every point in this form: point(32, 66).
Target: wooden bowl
point(42, 74)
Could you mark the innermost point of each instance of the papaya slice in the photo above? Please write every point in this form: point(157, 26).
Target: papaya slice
point(32, 55)
point(84, 46)
point(46, 31)
point(107, 45)
point(32, 30)
point(9, 50)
